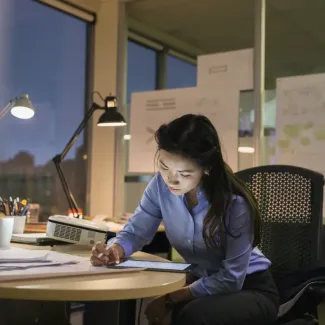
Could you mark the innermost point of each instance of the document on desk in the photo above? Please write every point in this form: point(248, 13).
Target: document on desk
point(24, 264)
point(18, 255)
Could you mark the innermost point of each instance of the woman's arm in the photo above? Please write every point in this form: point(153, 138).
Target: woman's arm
point(232, 273)
point(142, 226)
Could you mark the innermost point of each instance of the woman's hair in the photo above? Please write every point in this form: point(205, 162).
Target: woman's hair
point(194, 137)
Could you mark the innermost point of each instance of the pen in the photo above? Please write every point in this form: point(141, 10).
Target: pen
point(2, 208)
point(109, 243)
point(11, 206)
point(7, 210)
point(25, 209)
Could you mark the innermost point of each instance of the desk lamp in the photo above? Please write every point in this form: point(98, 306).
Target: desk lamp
point(110, 117)
point(20, 107)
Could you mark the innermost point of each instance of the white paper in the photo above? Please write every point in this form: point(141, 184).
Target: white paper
point(300, 122)
point(18, 255)
point(50, 262)
point(233, 69)
point(61, 265)
point(151, 109)
point(24, 266)
point(23, 259)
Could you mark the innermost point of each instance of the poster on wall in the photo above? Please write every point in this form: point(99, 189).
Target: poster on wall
point(300, 122)
point(233, 69)
point(151, 109)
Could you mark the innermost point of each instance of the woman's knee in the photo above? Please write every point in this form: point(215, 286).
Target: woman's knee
point(189, 314)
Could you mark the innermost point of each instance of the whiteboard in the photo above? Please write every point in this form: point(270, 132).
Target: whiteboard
point(300, 122)
point(151, 109)
point(233, 69)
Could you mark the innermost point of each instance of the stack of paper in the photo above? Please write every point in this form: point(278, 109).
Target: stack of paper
point(32, 238)
point(19, 259)
point(25, 264)
point(22, 259)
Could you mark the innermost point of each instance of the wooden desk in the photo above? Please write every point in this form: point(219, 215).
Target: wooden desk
point(112, 287)
point(103, 287)
point(35, 227)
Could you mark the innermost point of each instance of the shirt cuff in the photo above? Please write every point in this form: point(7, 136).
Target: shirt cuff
point(198, 288)
point(126, 245)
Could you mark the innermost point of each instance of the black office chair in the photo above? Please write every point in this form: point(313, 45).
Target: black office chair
point(290, 199)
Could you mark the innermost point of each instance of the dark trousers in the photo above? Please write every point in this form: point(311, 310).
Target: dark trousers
point(256, 304)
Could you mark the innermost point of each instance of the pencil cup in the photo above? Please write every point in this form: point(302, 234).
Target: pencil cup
point(19, 224)
point(6, 229)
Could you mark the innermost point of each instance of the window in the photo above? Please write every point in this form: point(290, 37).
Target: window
point(43, 53)
point(180, 74)
point(141, 69)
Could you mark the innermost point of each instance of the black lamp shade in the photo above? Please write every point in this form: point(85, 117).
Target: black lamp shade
point(111, 117)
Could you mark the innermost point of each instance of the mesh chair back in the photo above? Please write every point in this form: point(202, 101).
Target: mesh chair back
point(290, 199)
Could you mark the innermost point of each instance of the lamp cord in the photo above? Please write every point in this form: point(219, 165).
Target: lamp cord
point(101, 97)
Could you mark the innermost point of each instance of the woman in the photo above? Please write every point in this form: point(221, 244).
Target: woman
point(212, 219)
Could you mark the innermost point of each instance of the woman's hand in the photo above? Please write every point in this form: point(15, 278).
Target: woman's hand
point(157, 312)
point(106, 255)
point(181, 295)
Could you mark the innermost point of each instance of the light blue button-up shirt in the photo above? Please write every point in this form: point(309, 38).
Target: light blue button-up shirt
point(221, 270)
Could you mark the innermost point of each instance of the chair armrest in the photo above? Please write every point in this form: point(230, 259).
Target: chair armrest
point(318, 288)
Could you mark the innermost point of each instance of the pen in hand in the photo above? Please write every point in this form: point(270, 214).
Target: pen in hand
point(106, 254)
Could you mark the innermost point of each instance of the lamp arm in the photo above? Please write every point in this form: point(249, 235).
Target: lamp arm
point(68, 194)
point(59, 157)
point(6, 110)
point(79, 129)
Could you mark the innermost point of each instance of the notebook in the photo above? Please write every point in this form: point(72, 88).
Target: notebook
point(34, 238)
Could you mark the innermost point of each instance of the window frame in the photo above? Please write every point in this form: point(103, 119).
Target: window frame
point(161, 59)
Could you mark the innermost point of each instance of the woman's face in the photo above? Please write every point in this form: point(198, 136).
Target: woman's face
point(180, 174)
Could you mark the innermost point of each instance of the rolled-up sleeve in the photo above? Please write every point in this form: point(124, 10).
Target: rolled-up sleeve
point(142, 226)
point(231, 275)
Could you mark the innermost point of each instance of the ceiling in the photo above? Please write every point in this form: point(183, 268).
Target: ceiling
point(295, 29)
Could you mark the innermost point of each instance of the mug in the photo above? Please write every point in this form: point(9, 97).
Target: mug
point(19, 224)
point(6, 229)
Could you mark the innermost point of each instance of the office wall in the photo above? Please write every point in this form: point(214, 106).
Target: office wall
point(106, 70)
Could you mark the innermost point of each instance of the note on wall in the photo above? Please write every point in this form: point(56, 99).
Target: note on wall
point(300, 122)
point(151, 109)
point(233, 69)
